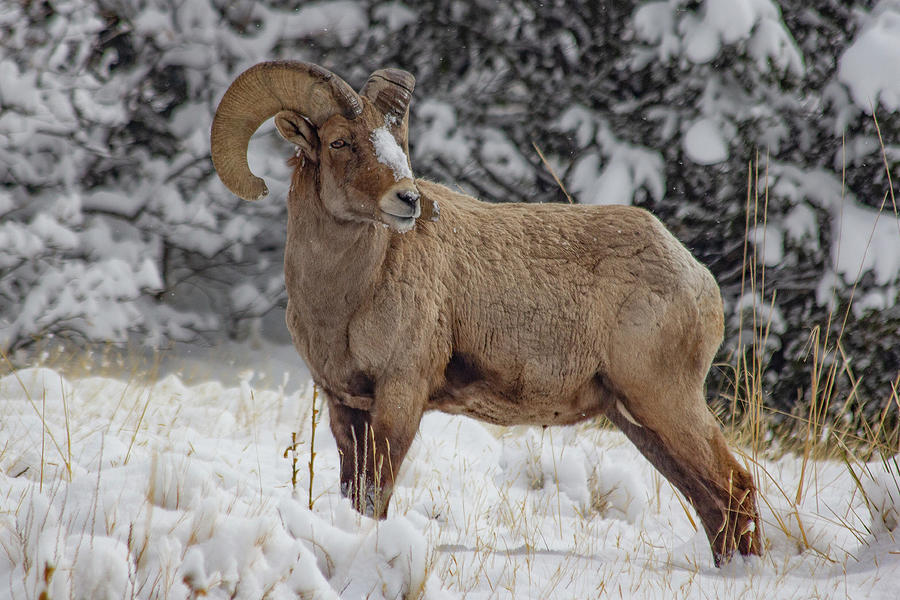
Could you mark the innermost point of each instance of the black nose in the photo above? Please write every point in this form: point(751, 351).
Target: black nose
point(408, 197)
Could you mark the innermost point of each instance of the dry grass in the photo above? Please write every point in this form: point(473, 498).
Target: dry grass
point(821, 433)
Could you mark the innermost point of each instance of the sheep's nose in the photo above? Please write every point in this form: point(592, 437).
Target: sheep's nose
point(408, 197)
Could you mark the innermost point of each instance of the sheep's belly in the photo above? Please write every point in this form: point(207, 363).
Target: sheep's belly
point(500, 405)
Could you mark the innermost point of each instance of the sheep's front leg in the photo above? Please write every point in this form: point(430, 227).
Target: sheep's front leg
point(350, 427)
point(372, 445)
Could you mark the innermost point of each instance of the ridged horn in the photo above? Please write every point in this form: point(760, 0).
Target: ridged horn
point(390, 90)
point(259, 93)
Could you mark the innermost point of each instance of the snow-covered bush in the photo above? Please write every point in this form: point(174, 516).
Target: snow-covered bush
point(114, 225)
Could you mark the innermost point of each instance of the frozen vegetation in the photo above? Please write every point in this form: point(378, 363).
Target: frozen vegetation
point(121, 489)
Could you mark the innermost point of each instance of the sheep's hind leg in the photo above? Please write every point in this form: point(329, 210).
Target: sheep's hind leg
point(704, 470)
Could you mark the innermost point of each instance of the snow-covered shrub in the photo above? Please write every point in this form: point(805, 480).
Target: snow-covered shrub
point(112, 223)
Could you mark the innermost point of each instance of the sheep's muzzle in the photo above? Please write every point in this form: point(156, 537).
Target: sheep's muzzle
point(400, 206)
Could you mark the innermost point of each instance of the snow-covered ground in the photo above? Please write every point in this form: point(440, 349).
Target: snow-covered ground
point(120, 488)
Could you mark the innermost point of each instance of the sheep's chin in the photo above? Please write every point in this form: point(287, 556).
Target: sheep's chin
point(397, 223)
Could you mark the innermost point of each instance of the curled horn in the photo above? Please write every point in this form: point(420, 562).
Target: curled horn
point(259, 93)
point(390, 90)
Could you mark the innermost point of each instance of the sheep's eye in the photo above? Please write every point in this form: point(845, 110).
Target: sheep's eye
point(337, 144)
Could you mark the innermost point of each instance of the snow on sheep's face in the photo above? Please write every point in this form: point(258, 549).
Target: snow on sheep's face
point(363, 167)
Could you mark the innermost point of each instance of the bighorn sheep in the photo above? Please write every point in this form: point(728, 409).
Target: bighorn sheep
point(509, 313)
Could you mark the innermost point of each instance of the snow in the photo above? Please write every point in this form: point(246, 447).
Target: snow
point(881, 488)
point(581, 121)
point(768, 242)
point(89, 104)
point(866, 240)
point(345, 18)
point(704, 144)
point(388, 151)
point(51, 231)
point(73, 291)
point(6, 202)
point(395, 14)
point(733, 20)
point(801, 226)
point(654, 23)
point(754, 27)
point(758, 313)
point(627, 171)
point(592, 184)
point(870, 67)
point(869, 241)
point(440, 137)
point(500, 155)
point(164, 488)
point(18, 89)
point(17, 243)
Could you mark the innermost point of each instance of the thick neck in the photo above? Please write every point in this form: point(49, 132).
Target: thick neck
point(334, 265)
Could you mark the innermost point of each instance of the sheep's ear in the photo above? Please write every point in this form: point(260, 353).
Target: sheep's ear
point(390, 90)
point(298, 131)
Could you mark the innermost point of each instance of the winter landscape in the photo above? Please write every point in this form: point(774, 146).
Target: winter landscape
point(116, 488)
point(160, 438)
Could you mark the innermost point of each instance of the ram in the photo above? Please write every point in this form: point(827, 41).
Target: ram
point(404, 297)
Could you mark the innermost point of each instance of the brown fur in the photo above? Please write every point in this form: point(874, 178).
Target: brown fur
point(508, 313)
